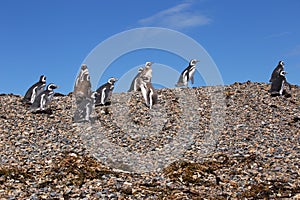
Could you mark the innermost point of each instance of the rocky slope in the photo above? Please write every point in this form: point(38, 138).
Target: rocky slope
point(209, 142)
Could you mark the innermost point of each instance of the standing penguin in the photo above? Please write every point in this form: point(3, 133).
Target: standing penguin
point(35, 90)
point(43, 99)
point(149, 94)
point(187, 74)
point(104, 92)
point(82, 87)
point(146, 74)
point(276, 71)
point(135, 84)
point(277, 86)
point(84, 109)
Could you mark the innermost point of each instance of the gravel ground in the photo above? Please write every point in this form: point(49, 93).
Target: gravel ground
point(210, 142)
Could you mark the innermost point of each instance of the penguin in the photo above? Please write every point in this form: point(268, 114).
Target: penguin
point(82, 87)
point(149, 93)
point(135, 84)
point(43, 99)
point(146, 74)
point(35, 90)
point(277, 86)
point(84, 109)
point(187, 74)
point(277, 70)
point(104, 92)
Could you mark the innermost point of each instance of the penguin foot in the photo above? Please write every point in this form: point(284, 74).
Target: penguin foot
point(273, 94)
point(105, 104)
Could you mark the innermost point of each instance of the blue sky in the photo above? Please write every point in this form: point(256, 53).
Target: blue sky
point(245, 39)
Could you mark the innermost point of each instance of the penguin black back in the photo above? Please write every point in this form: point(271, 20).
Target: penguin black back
point(135, 84)
point(276, 72)
point(35, 90)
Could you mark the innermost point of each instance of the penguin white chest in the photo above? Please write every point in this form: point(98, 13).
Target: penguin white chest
point(191, 73)
point(34, 94)
point(144, 93)
point(103, 95)
point(281, 88)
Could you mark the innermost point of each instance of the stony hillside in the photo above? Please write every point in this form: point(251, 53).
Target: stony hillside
point(208, 142)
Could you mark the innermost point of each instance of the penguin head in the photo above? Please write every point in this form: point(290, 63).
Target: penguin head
point(281, 63)
point(112, 80)
point(43, 79)
point(51, 87)
point(148, 64)
point(145, 79)
point(194, 61)
point(94, 95)
point(141, 69)
point(283, 73)
point(83, 67)
point(84, 70)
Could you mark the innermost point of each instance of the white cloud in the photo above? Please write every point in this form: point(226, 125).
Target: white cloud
point(178, 17)
point(277, 35)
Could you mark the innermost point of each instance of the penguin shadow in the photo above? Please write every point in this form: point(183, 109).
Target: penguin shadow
point(47, 111)
point(106, 104)
point(284, 93)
